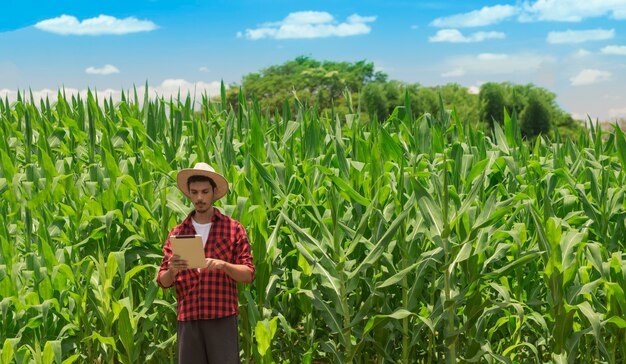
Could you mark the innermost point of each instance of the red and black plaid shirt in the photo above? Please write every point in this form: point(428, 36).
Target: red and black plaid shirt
point(209, 294)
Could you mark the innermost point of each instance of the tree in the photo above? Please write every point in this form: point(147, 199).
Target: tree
point(323, 84)
point(394, 92)
point(535, 118)
point(424, 100)
point(374, 100)
point(492, 103)
point(567, 127)
point(459, 98)
point(313, 82)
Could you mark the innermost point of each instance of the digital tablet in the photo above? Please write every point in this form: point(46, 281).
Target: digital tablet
point(189, 248)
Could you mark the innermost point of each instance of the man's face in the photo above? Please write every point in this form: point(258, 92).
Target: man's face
point(201, 195)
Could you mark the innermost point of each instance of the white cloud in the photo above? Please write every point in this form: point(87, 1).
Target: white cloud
point(106, 70)
point(492, 57)
point(69, 91)
point(473, 90)
point(203, 69)
point(307, 17)
point(620, 14)
point(172, 86)
point(457, 72)
point(579, 36)
point(500, 64)
point(355, 18)
point(572, 10)
point(537, 10)
point(589, 77)
point(167, 88)
point(614, 50)
point(100, 25)
point(488, 15)
point(617, 112)
point(455, 36)
point(310, 24)
point(581, 53)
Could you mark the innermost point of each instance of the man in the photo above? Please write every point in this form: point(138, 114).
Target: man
point(207, 298)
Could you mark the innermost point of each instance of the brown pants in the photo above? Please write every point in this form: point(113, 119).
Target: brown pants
point(208, 341)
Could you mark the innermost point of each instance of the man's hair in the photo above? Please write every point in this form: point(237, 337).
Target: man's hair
point(199, 178)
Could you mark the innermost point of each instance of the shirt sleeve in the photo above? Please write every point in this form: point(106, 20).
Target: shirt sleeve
point(243, 250)
point(167, 254)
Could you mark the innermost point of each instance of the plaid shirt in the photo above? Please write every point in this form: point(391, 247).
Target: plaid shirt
point(209, 294)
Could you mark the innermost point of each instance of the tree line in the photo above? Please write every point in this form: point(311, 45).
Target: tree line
point(328, 85)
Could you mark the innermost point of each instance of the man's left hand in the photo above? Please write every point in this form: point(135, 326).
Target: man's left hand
point(212, 264)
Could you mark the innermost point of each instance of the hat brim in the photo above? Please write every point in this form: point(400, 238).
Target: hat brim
point(221, 185)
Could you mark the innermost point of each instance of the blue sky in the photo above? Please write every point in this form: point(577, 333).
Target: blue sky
point(575, 48)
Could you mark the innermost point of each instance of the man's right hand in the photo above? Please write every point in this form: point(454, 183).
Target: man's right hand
point(176, 264)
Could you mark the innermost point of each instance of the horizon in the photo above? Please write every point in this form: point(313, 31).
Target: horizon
point(574, 48)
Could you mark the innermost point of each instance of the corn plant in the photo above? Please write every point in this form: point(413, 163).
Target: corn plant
point(417, 239)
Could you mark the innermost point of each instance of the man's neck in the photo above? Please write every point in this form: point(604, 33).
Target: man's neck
point(204, 217)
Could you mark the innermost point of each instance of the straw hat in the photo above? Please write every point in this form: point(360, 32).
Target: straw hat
point(202, 169)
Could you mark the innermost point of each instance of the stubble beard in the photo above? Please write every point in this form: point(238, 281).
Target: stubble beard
point(203, 208)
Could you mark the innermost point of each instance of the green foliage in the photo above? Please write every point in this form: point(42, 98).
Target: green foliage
point(311, 82)
point(492, 104)
point(375, 100)
point(412, 239)
point(536, 107)
point(568, 128)
point(535, 117)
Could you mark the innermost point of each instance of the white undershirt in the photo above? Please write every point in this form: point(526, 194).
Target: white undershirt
point(203, 230)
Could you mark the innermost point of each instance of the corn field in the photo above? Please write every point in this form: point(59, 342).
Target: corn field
point(415, 240)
